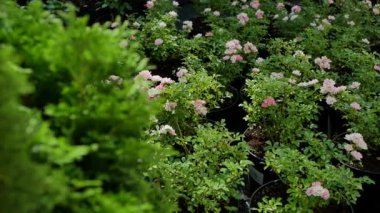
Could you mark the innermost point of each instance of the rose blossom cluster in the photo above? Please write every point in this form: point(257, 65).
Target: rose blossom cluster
point(328, 87)
point(355, 85)
point(243, 18)
point(232, 48)
point(158, 42)
point(295, 10)
point(164, 130)
point(155, 91)
point(187, 25)
point(114, 79)
point(250, 48)
point(170, 106)
point(330, 100)
point(309, 83)
point(255, 4)
point(269, 101)
point(317, 190)
point(182, 74)
point(321, 25)
point(355, 106)
point(277, 75)
point(150, 4)
point(357, 142)
point(199, 106)
point(323, 62)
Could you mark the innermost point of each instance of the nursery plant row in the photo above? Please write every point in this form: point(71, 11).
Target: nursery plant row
point(189, 106)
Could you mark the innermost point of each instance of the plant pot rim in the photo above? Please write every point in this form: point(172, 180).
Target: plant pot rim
point(260, 188)
point(360, 170)
point(235, 97)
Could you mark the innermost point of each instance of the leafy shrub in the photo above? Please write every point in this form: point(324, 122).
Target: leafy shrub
point(83, 80)
point(209, 174)
point(299, 173)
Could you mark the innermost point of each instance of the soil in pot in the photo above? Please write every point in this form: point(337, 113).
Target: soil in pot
point(278, 189)
point(256, 141)
point(257, 174)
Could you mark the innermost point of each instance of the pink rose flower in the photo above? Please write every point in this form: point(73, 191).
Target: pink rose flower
point(296, 9)
point(145, 74)
point(187, 25)
point(280, 6)
point(330, 100)
point(323, 62)
point(356, 155)
point(233, 46)
point(355, 106)
point(158, 42)
point(376, 67)
point(182, 72)
point(357, 139)
point(236, 58)
point(173, 14)
point(166, 81)
point(156, 78)
point(243, 18)
point(149, 4)
point(329, 87)
point(259, 14)
point(249, 47)
point(255, 4)
point(325, 194)
point(167, 129)
point(269, 101)
point(199, 106)
point(348, 147)
point(355, 85)
point(170, 106)
point(317, 190)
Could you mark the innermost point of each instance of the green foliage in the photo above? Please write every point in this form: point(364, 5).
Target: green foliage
point(24, 185)
point(208, 175)
point(196, 85)
point(299, 172)
point(342, 186)
point(268, 205)
point(295, 105)
point(82, 77)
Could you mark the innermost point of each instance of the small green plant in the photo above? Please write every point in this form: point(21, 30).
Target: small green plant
point(268, 205)
point(208, 175)
point(312, 183)
point(283, 96)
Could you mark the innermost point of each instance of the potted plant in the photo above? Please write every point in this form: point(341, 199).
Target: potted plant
point(208, 176)
point(306, 185)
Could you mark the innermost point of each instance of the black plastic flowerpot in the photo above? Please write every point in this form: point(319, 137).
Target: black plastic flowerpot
point(369, 199)
point(277, 189)
point(258, 176)
point(231, 113)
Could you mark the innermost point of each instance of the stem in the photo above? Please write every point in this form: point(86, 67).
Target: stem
point(180, 134)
